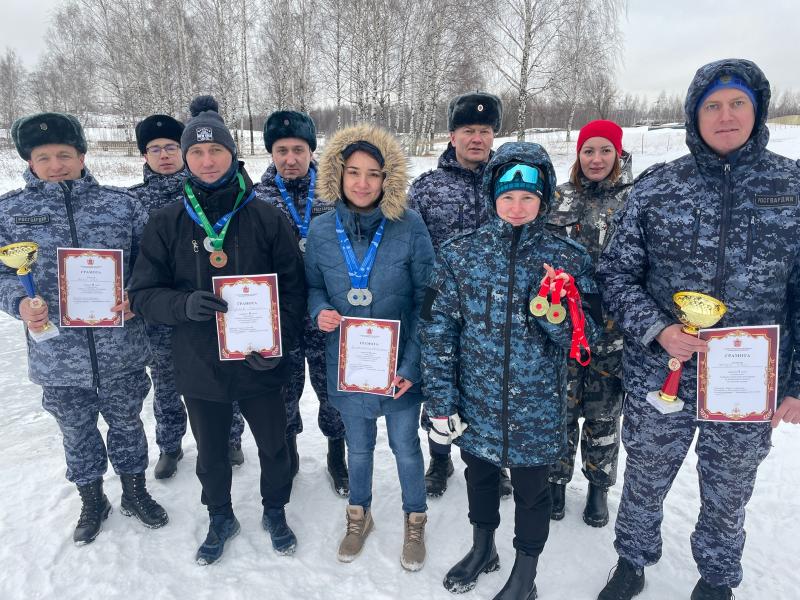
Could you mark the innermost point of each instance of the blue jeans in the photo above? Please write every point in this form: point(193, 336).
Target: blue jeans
point(404, 442)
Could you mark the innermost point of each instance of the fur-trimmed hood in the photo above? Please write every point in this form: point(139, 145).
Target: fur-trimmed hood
point(395, 168)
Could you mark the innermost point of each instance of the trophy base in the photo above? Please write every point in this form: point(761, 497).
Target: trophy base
point(663, 406)
point(40, 336)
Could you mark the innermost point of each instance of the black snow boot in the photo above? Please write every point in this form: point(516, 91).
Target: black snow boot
point(94, 510)
point(596, 511)
point(705, 591)
point(626, 582)
point(294, 457)
point(137, 502)
point(506, 489)
point(439, 469)
point(235, 454)
point(520, 584)
point(337, 468)
point(283, 539)
point(167, 464)
point(558, 493)
point(221, 528)
point(482, 558)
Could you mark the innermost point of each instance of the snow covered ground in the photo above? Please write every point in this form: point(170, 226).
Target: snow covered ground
point(39, 508)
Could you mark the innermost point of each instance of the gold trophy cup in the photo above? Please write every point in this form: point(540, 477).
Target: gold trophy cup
point(21, 256)
point(696, 311)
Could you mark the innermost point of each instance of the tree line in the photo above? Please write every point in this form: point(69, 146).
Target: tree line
point(391, 62)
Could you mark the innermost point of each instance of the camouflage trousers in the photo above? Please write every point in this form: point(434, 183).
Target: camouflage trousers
point(311, 349)
point(728, 456)
point(168, 407)
point(597, 397)
point(76, 409)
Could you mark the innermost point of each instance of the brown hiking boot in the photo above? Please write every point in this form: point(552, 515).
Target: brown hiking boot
point(359, 524)
point(413, 556)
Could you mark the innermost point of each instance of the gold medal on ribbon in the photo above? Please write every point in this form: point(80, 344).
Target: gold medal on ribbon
point(218, 259)
point(539, 306)
point(556, 313)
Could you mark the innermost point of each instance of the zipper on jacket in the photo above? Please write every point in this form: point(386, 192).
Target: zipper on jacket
point(476, 190)
point(512, 263)
point(460, 217)
point(488, 315)
point(751, 226)
point(696, 231)
point(73, 232)
point(197, 266)
point(725, 223)
point(236, 252)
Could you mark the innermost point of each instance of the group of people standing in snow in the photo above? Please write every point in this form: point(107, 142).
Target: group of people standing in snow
point(464, 258)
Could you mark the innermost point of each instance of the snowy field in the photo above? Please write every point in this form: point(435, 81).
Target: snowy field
point(39, 508)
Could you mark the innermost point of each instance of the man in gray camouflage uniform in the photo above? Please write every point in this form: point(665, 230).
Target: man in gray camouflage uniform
point(158, 139)
point(83, 371)
point(722, 220)
point(450, 200)
point(291, 138)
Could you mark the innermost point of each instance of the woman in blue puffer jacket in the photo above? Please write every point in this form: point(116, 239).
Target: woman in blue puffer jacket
point(364, 170)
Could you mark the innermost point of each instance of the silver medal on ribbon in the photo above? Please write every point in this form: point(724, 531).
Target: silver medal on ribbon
point(208, 245)
point(302, 244)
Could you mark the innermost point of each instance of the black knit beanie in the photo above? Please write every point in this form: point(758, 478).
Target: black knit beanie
point(206, 126)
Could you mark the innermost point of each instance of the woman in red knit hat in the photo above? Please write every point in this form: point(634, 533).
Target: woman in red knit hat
point(599, 183)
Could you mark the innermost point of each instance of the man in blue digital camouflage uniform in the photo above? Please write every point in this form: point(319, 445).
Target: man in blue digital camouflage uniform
point(722, 220)
point(83, 371)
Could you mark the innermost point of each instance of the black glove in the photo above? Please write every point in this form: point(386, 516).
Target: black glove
point(258, 363)
point(201, 306)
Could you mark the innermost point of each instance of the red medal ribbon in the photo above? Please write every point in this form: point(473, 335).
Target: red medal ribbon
point(579, 341)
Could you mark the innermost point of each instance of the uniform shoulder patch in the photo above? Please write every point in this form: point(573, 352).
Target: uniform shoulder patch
point(649, 171)
point(11, 194)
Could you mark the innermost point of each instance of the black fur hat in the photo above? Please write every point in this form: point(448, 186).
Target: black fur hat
point(478, 108)
point(289, 124)
point(47, 128)
point(157, 126)
point(206, 125)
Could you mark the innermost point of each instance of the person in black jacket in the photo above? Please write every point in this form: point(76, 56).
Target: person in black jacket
point(171, 286)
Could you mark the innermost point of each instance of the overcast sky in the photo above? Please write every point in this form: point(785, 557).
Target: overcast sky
point(665, 40)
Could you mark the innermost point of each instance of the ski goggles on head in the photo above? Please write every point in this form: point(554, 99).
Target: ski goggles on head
point(519, 176)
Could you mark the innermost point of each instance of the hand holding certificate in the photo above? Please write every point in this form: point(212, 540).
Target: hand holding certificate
point(90, 290)
point(737, 377)
point(252, 322)
point(368, 356)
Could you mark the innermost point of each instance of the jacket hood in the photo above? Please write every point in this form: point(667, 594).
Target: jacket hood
point(524, 152)
point(395, 168)
point(755, 79)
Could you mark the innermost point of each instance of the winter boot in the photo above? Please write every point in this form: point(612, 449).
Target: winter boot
point(359, 524)
point(337, 468)
point(221, 528)
point(520, 584)
point(706, 591)
point(294, 457)
point(439, 469)
point(558, 492)
point(413, 556)
point(596, 511)
point(626, 582)
point(482, 558)
point(283, 539)
point(235, 454)
point(95, 509)
point(506, 489)
point(137, 502)
point(167, 464)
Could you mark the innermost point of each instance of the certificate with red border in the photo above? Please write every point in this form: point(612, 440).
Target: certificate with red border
point(368, 355)
point(253, 320)
point(737, 378)
point(89, 286)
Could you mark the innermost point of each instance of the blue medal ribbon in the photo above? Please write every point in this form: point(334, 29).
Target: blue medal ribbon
point(359, 274)
point(302, 226)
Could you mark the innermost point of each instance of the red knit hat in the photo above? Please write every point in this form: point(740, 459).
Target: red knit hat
point(600, 128)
